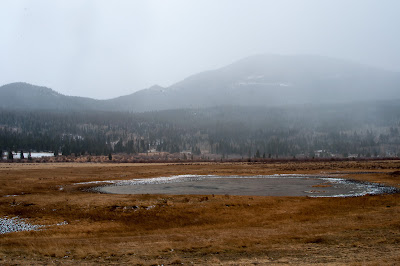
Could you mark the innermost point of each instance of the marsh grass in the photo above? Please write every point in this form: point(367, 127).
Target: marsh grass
point(147, 229)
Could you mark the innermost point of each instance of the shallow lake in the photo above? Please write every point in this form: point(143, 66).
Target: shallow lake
point(275, 185)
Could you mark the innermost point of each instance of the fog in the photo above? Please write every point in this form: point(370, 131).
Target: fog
point(104, 49)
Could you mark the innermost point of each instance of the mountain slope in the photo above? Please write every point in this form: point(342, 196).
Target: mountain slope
point(21, 95)
point(261, 80)
point(272, 80)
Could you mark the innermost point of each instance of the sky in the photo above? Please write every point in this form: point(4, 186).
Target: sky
point(105, 49)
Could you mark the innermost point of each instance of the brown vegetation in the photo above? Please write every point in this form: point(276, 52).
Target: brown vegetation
point(208, 229)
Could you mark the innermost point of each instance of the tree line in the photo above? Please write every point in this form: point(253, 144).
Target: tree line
point(362, 130)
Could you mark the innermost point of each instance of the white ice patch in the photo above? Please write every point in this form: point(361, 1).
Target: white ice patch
point(183, 178)
point(360, 188)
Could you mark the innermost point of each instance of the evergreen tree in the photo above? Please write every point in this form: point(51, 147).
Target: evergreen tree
point(10, 155)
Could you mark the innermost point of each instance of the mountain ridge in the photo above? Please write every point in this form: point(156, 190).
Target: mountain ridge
point(22, 95)
point(264, 80)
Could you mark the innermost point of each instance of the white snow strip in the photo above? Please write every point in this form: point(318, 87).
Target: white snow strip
point(183, 178)
point(17, 224)
point(188, 178)
point(16, 155)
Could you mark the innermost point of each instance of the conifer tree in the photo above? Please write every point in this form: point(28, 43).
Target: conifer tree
point(10, 155)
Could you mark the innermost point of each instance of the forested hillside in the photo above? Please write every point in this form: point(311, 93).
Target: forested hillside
point(355, 130)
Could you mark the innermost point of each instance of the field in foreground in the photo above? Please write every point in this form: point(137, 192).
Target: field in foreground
point(166, 229)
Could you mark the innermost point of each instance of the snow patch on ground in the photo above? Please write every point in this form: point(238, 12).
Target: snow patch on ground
point(16, 155)
point(17, 224)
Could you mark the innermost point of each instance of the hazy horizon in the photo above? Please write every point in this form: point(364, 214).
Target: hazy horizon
point(101, 50)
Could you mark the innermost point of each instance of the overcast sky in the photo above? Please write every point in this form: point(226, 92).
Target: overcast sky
point(105, 49)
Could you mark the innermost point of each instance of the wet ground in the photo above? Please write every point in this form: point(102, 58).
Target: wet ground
point(276, 185)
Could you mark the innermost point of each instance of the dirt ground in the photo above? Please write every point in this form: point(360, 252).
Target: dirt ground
point(200, 229)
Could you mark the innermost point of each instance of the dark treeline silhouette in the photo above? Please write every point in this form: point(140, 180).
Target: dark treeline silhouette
point(346, 130)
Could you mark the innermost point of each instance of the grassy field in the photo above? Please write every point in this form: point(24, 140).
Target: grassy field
point(207, 229)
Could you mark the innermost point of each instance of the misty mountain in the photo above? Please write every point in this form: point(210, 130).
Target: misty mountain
point(266, 80)
point(262, 80)
point(21, 95)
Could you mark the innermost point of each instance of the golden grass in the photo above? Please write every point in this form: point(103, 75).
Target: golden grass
point(207, 229)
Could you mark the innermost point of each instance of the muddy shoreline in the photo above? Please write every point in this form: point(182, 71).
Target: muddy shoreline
point(276, 185)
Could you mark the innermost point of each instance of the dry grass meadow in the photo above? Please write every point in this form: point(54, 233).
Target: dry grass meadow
point(205, 230)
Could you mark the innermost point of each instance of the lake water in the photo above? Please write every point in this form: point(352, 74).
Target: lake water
point(275, 185)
